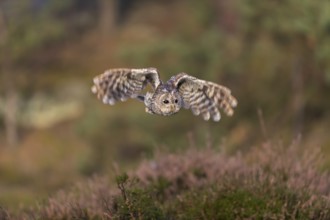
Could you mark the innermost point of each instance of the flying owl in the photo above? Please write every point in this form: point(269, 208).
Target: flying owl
point(167, 98)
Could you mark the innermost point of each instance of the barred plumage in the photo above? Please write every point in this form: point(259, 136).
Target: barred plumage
point(182, 90)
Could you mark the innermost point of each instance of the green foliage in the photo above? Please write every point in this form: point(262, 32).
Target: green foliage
point(240, 203)
point(198, 55)
point(29, 28)
point(135, 202)
point(231, 201)
point(271, 43)
point(121, 180)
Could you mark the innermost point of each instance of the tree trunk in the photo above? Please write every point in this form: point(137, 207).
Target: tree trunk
point(108, 16)
point(11, 95)
point(10, 116)
point(227, 16)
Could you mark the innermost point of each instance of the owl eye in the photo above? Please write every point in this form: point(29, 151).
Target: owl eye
point(176, 101)
point(166, 101)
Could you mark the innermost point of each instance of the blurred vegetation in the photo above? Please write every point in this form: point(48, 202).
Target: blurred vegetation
point(273, 55)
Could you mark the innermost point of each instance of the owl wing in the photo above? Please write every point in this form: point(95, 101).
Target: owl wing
point(203, 97)
point(120, 84)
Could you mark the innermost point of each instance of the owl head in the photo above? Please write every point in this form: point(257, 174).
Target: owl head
point(167, 102)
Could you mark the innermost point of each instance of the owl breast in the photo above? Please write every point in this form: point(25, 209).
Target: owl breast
point(166, 102)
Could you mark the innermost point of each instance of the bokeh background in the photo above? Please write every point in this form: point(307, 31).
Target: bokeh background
point(273, 55)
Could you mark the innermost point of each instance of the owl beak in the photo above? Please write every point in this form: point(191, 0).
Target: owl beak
point(172, 108)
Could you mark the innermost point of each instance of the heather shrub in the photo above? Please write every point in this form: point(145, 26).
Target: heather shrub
point(274, 164)
point(271, 182)
point(86, 200)
point(268, 182)
point(4, 215)
point(135, 202)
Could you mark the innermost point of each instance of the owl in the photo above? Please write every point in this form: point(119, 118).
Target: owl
point(166, 98)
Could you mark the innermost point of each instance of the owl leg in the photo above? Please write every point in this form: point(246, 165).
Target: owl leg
point(149, 111)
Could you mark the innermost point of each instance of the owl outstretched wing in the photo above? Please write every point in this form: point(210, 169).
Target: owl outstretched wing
point(123, 83)
point(203, 97)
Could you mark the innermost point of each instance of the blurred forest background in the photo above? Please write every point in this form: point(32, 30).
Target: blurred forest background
point(273, 55)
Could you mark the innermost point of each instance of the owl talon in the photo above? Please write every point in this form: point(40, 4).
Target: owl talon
point(149, 111)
